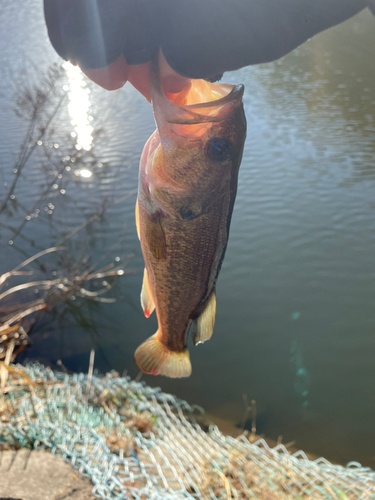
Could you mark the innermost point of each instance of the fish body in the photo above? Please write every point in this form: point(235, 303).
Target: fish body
point(187, 188)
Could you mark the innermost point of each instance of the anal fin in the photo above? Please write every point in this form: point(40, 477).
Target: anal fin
point(204, 325)
point(154, 357)
point(147, 302)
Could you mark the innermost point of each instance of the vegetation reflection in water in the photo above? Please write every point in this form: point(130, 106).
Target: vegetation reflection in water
point(52, 279)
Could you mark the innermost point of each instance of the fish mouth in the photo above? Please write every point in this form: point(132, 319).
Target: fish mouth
point(220, 101)
point(211, 111)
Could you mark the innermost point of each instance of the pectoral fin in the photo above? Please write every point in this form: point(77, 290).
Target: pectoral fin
point(137, 219)
point(147, 303)
point(204, 324)
point(155, 238)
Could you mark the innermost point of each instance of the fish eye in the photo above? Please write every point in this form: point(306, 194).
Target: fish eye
point(219, 149)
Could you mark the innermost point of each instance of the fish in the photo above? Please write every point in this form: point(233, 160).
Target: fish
point(187, 187)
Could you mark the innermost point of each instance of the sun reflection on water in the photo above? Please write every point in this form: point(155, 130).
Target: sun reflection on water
point(79, 106)
point(84, 173)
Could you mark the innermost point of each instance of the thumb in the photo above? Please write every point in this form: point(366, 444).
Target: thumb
point(116, 74)
point(112, 77)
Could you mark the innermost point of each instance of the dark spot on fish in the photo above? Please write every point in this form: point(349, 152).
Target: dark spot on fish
point(219, 149)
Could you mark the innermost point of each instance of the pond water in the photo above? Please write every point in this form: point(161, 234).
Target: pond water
point(295, 326)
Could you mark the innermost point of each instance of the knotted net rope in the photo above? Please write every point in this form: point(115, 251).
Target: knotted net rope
point(136, 442)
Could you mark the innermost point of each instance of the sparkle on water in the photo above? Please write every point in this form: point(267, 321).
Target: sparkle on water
point(85, 173)
point(79, 105)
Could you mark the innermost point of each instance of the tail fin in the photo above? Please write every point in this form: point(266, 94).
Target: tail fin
point(154, 357)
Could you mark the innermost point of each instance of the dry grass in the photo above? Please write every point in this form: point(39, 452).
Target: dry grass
point(18, 313)
point(18, 383)
point(241, 478)
point(237, 476)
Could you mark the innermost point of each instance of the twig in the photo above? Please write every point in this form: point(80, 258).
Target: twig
point(246, 412)
point(17, 231)
point(78, 228)
point(91, 370)
point(108, 410)
point(4, 368)
point(10, 228)
point(62, 366)
point(32, 395)
point(46, 284)
point(27, 152)
point(28, 261)
point(39, 305)
point(253, 416)
point(94, 217)
point(226, 483)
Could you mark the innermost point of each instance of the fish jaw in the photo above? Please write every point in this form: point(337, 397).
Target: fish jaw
point(200, 102)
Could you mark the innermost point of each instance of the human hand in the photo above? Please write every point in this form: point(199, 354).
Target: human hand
point(115, 75)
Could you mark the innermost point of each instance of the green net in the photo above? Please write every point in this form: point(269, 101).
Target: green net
point(136, 442)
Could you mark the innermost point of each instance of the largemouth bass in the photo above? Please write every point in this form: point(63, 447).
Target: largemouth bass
point(187, 188)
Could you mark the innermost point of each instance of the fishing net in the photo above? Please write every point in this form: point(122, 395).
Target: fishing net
point(136, 442)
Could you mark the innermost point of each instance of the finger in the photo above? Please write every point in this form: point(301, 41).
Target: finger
point(115, 75)
point(112, 77)
point(139, 77)
point(173, 83)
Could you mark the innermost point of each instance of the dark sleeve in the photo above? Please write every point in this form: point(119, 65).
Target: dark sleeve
point(207, 37)
point(199, 38)
point(94, 33)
